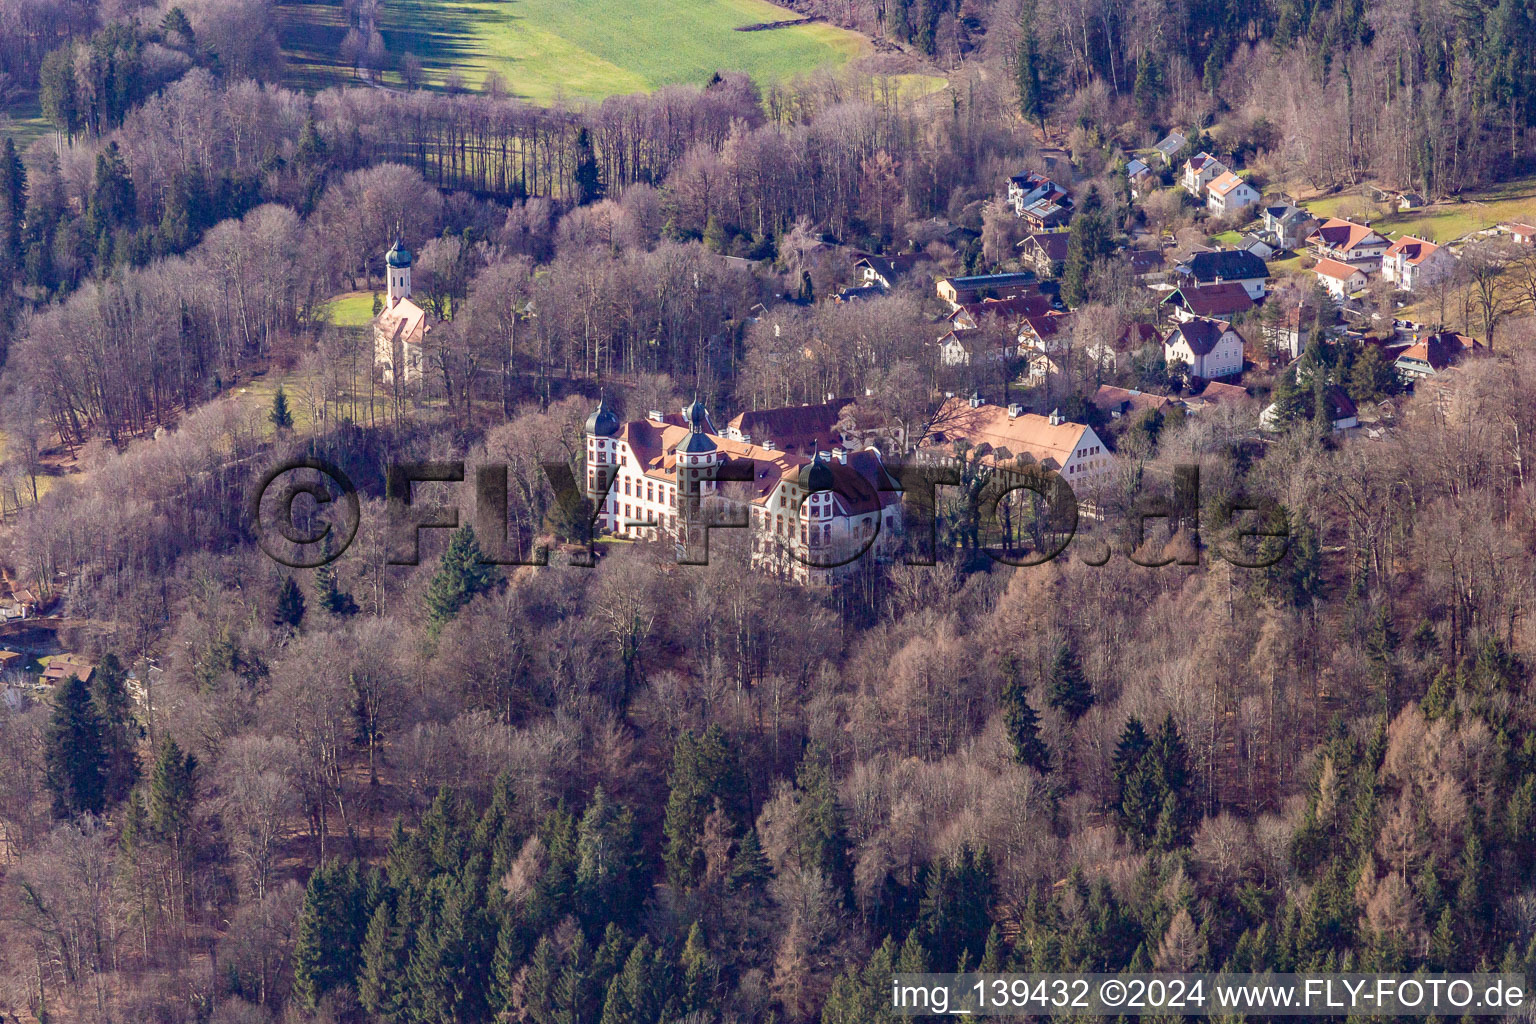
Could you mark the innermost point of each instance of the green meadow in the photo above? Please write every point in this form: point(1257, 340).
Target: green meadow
point(549, 50)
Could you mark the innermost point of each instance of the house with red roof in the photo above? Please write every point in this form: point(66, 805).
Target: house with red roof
point(1347, 242)
point(1413, 263)
point(1340, 279)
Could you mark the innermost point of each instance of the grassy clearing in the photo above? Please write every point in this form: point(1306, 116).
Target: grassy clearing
point(23, 123)
point(1446, 222)
point(547, 50)
point(351, 309)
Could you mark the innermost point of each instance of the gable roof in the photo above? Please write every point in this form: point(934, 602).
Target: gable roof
point(1216, 391)
point(1145, 261)
point(1212, 300)
point(1340, 405)
point(1285, 213)
point(1052, 243)
point(1110, 399)
point(1028, 435)
point(973, 313)
point(1201, 161)
point(1226, 265)
point(1201, 334)
point(1343, 235)
point(1413, 250)
point(791, 426)
point(1171, 144)
point(1440, 350)
point(1336, 270)
point(1136, 168)
point(1137, 335)
point(892, 268)
point(404, 319)
point(1226, 183)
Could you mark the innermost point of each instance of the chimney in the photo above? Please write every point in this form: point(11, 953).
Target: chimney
point(1055, 417)
point(1014, 410)
point(840, 454)
point(975, 401)
point(768, 445)
point(654, 414)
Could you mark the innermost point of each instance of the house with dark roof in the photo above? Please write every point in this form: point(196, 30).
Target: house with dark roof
point(1142, 179)
point(1434, 354)
point(1116, 402)
point(958, 291)
point(1035, 191)
point(1235, 265)
point(1044, 252)
point(1169, 147)
point(1146, 264)
point(972, 315)
point(1216, 393)
point(1222, 301)
point(1200, 171)
point(1209, 348)
point(1289, 224)
point(797, 429)
point(885, 271)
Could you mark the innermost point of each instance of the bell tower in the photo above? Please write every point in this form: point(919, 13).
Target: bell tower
point(397, 274)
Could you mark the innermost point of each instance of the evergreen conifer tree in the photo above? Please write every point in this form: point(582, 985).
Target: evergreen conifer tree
point(289, 610)
point(1022, 723)
point(1067, 689)
point(75, 761)
point(120, 730)
point(281, 416)
point(461, 576)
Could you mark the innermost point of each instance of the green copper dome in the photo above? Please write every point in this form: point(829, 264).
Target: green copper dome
point(398, 255)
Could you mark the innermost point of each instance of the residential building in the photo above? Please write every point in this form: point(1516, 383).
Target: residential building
point(1434, 354)
point(1221, 301)
point(979, 314)
point(1409, 201)
point(1521, 234)
point(1347, 242)
point(61, 666)
point(1215, 393)
point(1200, 171)
point(665, 477)
point(967, 347)
point(1342, 414)
point(958, 291)
point(401, 328)
point(1412, 263)
point(1142, 179)
point(1147, 264)
point(1340, 279)
point(1209, 348)
point(885, 272)
point(1169, 147)
point(1133, 338)
point(1046, 333)
point(1035, 191)
point(1228, 193)
point(1229, 265)
point(1117, 402)
point(1290, 225)
point(1044, 252)
point(1257, 245)
point(998, 436)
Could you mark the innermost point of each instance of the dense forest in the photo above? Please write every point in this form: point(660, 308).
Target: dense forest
point(641, 792)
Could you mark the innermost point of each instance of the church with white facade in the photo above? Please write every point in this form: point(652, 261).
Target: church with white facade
point(400, 330)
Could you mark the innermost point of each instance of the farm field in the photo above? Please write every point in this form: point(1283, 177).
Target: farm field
point(548, 50)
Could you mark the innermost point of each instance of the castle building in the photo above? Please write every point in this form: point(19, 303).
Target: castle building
point(400, 330)
point(812, 518)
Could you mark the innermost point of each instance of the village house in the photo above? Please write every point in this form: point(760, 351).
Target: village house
point(1221, 301)
point(1340, 279)
point(967, 348)
point(400, 330)
point(1229, 265)
point(884, 272)
point(960, 291)
point(1413, 263)
point(810, 518)
point(1341, 411)
point(979, 314)
point(1346, 242)
point(1047, 333)
point(1409, 201)
point(1142, 179)
point(1133, 338)
point(1521, 234)
point(1169, 147)
point(999, 436)
point(1209, 348)
point(1147, 265)
point(1039, 200)
point(1116, 402)
point(1434, 354)
point(61, 666)
point(1257, 244)
point(1200, 171)
point(1229, 194)
point(1289, 225)
point(1216, 393)
point(1044, 253)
